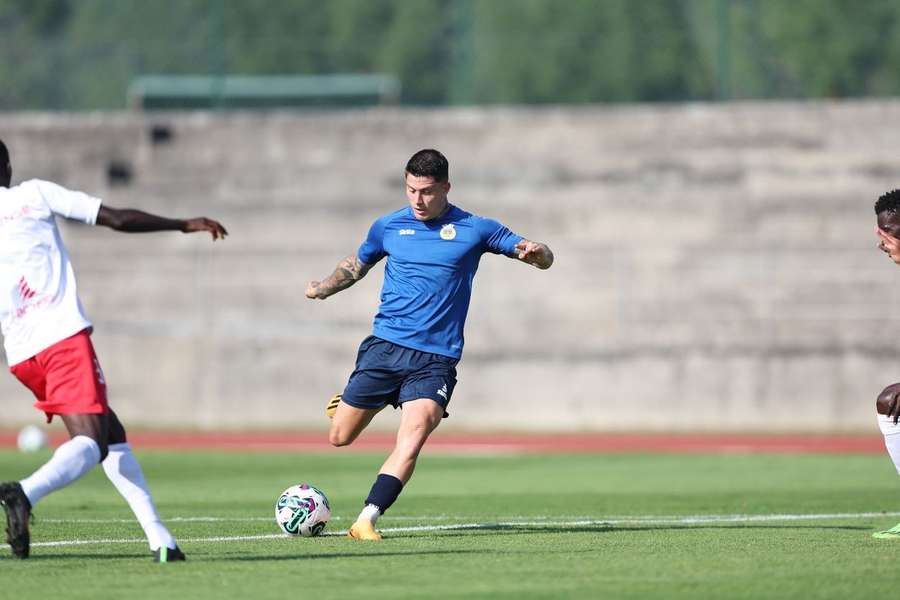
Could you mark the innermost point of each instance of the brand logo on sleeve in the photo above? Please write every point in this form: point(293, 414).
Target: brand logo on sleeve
point(448, 232)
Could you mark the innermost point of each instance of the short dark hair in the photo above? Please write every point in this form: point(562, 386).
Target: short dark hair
point(429, 163)
point(889, 202)
point(4, 155)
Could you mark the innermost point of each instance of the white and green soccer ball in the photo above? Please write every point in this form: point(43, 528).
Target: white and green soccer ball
point(302, 510)
point(31, 438)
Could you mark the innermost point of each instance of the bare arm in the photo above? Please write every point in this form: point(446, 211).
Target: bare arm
point(349, 271)
point(888, 402)
point(534, 253)
point(129, 220)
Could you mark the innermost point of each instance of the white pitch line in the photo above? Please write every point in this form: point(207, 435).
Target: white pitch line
point(633, 520)
point(236, 538)
point(549, 520)
point(169, 520)
point(210, 519)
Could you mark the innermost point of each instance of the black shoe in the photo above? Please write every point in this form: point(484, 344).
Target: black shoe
point(164, 554)
point(18, 513)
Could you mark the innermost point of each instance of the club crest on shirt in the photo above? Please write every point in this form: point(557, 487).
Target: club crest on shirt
point(448, 232)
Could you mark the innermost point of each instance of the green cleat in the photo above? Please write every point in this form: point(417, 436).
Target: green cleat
point(167, 555)
point(889, 534)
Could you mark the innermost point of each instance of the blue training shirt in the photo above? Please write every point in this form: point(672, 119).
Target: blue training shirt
point(428, 275)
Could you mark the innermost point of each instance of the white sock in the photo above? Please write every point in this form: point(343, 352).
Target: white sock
point(70, 461)
point(370, 512)
point(123, 470)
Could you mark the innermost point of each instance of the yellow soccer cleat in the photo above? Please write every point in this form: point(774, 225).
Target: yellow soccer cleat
point(363, 530)
point(332, 405)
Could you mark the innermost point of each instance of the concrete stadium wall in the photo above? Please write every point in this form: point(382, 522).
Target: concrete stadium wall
point(716, 268)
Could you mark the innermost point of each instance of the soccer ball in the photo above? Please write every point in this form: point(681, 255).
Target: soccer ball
point(302, 510)
point(31, 439)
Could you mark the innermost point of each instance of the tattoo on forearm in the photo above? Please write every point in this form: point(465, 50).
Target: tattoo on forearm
point(349, 271)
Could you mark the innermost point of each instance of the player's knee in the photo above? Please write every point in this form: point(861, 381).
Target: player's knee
point(338, 437)
point(338, 441)
point(417, 433)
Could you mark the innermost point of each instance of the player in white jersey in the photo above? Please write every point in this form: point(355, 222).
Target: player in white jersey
point(887, 405)
point(46, 336)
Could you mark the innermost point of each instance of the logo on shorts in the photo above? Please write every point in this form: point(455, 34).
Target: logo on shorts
point(448, 232)
point(100, 379)
point(443, 392)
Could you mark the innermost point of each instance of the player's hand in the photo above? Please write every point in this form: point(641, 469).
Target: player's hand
point(534, 253)
point(888, 402)
point(888, 244)
point(214, 228)
point(312, 291)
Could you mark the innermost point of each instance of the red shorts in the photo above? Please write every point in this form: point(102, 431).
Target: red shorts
point(65, 378)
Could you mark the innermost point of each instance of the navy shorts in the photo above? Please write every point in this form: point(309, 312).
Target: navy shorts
point(390, 374)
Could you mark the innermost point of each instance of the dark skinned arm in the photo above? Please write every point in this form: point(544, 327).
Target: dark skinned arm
point(129, 220)
point(888, 402)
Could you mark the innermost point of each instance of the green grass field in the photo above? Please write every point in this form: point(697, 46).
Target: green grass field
point(535, 526)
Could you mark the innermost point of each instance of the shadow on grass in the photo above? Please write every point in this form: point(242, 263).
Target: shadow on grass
point(37, 556)
point(486, 529)
point(513, 529)
point(327, 555)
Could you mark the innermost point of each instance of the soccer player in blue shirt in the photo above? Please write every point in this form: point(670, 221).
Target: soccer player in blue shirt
point(432, 249)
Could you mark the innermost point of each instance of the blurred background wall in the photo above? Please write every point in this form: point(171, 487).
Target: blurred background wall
point(705, 172)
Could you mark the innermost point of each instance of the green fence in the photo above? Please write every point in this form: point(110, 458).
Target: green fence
point(199, 91)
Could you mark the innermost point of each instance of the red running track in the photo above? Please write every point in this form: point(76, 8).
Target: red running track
point(511, 443)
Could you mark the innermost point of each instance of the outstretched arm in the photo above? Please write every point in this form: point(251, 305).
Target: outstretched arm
point(130, 220)
point(349, 271)
point(534, 253)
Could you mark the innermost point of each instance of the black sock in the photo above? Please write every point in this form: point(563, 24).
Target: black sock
point(384, 491)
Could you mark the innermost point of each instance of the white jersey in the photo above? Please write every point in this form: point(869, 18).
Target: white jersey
point(887, 426)
point(39, 304)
